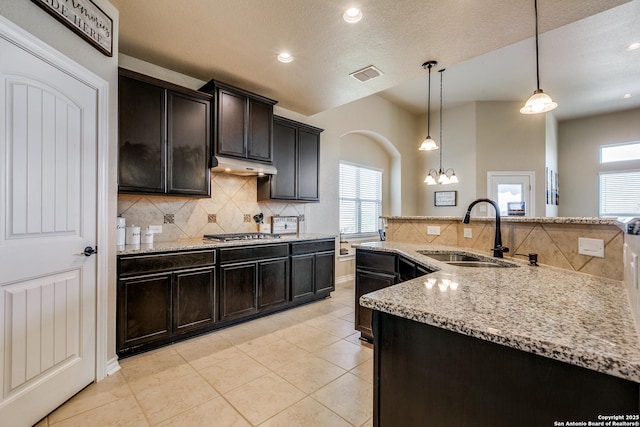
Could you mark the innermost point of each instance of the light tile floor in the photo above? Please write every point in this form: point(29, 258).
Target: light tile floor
point(302, 367)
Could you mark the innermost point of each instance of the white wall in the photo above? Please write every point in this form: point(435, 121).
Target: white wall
point(373, 115)
point(579, 157)
point(36, 21)
point(551, 156)
point(509, 141)
point(458, 152)
point(362, 150)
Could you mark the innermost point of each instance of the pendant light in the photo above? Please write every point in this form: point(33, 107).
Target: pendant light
point(539, 102)
point(429, 144)
point(441, 176)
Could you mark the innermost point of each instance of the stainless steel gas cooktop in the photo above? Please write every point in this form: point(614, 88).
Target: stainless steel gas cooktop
point(240, 236)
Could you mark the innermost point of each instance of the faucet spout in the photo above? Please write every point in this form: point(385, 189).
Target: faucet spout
point(498, 249)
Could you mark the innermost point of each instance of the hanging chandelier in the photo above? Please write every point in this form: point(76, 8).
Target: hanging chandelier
point(539, 102)
point(441, 176)
point(428, 143)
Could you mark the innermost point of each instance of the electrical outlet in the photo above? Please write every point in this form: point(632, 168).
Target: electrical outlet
point(468, 233)
point(433, 230)
point(155, 229)
point(591, 247)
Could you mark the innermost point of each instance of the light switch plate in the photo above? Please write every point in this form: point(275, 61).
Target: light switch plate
point(468, 233)
point(433, 230)
point(591, 247)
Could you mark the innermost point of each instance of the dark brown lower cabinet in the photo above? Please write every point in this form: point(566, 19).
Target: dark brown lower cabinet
point(273, 283)
point(424, 375)
point(144, 310)
point(167, 297)
point(312, 270)
point(193, 299)
point(237, 290)
point(369, 281)
point(252, 287)
point(375, 271)
point(164, 297)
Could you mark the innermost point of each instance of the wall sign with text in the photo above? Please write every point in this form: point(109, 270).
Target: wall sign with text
point(445, 198)
point(85, 18)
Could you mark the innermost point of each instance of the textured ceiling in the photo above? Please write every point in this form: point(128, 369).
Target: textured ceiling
point(236, 41)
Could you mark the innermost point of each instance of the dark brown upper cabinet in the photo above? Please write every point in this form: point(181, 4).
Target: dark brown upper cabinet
point(164, 137)
point(296, 156)
point(244, 123)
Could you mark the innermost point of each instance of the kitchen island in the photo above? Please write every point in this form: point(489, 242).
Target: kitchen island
point(501, 346)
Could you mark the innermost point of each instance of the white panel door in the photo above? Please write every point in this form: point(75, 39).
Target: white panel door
point(512, 191)
point(48, 186)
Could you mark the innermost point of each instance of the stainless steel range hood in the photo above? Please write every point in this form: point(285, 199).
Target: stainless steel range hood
point(241, 167)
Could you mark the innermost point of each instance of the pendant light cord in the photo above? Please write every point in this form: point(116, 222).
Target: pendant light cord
point(441, 144)
point(535, 7)
point(429, 104)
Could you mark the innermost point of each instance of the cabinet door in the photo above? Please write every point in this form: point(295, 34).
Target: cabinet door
point(308, 165)
point(231, 130)
point(259, 141)
point(283, 184)
point(193, 300)
point(325, 272)
point(302, 277)
point(141, 149)
point(188, 145)
point(273, 283)
point(406, 269)
point(144, 310)
point(237, 290)
point(367, 281)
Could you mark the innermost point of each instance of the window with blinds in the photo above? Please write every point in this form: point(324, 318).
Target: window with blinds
point(620, 193)
point(360, 199)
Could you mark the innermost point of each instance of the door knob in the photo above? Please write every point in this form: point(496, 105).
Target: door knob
point(88, 251)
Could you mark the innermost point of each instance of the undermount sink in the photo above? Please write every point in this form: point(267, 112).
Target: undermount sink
point(460, 259)
point(479, 264)
point(452, 256)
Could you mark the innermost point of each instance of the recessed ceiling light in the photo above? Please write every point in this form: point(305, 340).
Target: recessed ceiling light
point(352, 15)
point(634, 46)
point(627, 95)
point(285, 57)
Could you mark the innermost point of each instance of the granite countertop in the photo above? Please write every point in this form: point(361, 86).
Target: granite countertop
point(191, 244)
point(542, 220)
point(572, 317)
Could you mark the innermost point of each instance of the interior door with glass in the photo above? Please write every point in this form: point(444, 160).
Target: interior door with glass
point(512, 191)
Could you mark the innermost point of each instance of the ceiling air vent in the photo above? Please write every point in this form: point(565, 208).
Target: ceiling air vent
point(367, 73)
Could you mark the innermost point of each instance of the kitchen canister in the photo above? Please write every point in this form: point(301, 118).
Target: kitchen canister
point(133, 235)
point(120, 231)
point(146, 237)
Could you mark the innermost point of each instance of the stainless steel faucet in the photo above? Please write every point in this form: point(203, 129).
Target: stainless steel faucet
point(498, 249)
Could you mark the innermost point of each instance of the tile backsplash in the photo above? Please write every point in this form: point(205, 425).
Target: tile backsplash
point(555, 244)
point(232, 198)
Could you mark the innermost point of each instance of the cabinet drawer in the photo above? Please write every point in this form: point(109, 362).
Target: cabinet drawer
point(376, 261)
point(139, 264)
point(245, 253)
point(308, 247)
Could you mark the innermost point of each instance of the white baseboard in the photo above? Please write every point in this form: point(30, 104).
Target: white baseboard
point(345, 278)
point(113, 366)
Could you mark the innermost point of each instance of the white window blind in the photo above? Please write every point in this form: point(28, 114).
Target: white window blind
point(620, 193)
point(360, 199)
